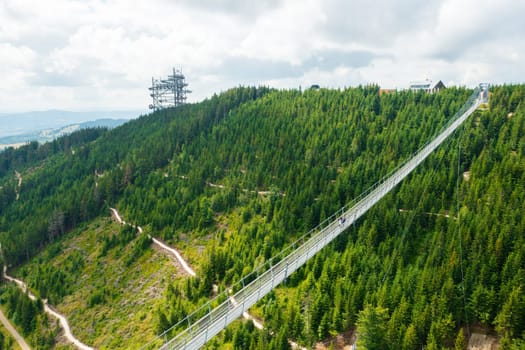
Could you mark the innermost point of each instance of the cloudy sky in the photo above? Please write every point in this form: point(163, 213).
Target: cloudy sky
point(101, 54)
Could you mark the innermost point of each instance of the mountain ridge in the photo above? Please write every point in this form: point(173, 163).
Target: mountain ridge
point(192, 176)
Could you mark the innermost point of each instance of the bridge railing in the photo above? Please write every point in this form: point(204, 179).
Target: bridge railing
point(202, 323)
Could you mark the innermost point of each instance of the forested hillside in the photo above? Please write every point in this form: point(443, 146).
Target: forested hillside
point(232, 180)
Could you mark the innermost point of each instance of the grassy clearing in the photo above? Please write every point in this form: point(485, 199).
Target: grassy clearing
point(112, 302)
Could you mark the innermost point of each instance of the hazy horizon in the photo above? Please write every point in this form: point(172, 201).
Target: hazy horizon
point(18, 123)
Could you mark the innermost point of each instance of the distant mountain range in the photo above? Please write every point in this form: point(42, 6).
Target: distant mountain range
point(12, 124)
point(43, 126)
point(51, 134)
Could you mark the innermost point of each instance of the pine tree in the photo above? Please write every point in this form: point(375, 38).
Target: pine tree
point(372, 328)
point(460, 343)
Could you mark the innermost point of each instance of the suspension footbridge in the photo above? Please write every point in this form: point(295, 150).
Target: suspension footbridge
point(200, 326)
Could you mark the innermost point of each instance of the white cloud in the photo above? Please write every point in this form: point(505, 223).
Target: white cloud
point(101, 54)
point(15, 56)
point(287, 33)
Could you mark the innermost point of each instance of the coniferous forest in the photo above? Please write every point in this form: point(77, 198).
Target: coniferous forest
point(234, 179)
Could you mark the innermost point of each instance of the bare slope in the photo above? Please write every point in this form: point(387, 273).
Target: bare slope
point(109, 303)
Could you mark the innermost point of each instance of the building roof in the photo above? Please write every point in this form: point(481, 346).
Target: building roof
point(418, 85)
point(426, 85)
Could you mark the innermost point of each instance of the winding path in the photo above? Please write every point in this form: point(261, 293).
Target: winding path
point(247, 316)
point(160, 244)
point(260, 193)
point(48, 309)
point(177, 255)
point(19, 178)
point(260, 326)
point(191, 272)
point(429, 213)
point(19, 339)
